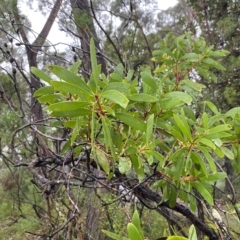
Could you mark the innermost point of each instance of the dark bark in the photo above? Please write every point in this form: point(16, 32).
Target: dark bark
point(86, 30)
point(142, 192)
point(32, 51)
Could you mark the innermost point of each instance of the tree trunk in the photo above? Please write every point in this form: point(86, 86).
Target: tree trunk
point(86, 30)
point(32, 52)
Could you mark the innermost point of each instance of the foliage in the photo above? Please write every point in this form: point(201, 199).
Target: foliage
point(148, 135)
point(218, 23)
point(149, 126)
point(135, 231)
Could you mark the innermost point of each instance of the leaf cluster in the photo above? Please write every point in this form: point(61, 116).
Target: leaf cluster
point(148, 126)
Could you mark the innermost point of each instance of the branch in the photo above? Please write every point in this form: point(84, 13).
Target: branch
point(48, 25)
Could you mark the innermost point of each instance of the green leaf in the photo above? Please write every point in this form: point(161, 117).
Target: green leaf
point(212, 107)
point(205, 120)
point(184, 127)
point(214, 177)
point(159, 157)
point(73, 113)
point(184, 97)
point(40, 74)
point(220, 128)
point(107, 136)
point(75, 131)
point(75, 67)
point(118, 86)
point(197, 159)
point(176, 238)
point(142, 97)
point(43, 91)
point(213, 63)
point(67, 106)
point(69, 77)
point(173, 197)
point(176, 133)
point(51, 98)
point(67, 88)
point(228, 153)
point(194, 85)
point(114, 77)
point(206, 142)
point(124, 165)
point(133, 233)
point(114, 235)
point(178, 154)
point(215, 119)
point(218, 53)
point(149, 131)
point(102, 160)
point(192, 233)
point(136, 222)
point(209, 158)
point(219, 152)
point(192, 57)
point(116, 97)
point(117, 139)
point(218, 135)
point(94, 61)
point(70, 123)
point(149, 80)
point(237, 161)
point(231, 113)
point(203, 191)
point(131, 121)
point(119, 70)
point(193, 203)
point(137, 167)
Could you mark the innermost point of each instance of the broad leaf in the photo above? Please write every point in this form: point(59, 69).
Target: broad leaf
point(75, 67)
point(142, 97)
point(184, 97)
point(118, 86)
point(114, 235)
point(231, 113)
point(102, 160)
point(214, 177)
point(67, 106)
point(213, 63)
point(131, 121)
point(149, 131)
point(73, 113)
point(149, 80)
point(75, 130)
point(206, 142)
point(124, 165)
point(209, 158)
point(136, 222)
point(94, 61)
point(69, 77)
point(43, 91)
point(184, 127)
point(133, 233)
point(227, 152)
point(40, 74)
point(66, 87)
point(192, 233)
point(116, 97)
point(203, 191)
